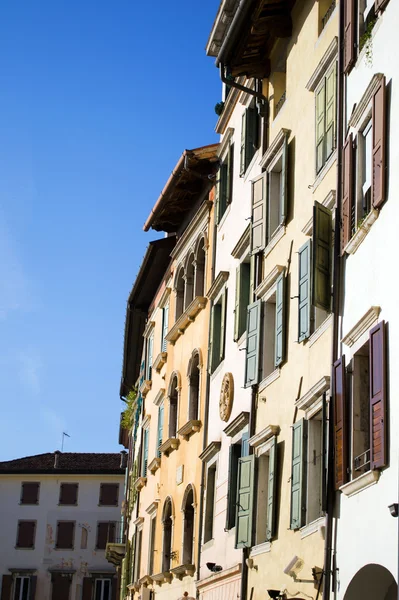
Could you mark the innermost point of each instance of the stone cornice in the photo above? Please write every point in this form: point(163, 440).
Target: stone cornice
point(243, 244)
point(210, 451)
point(217, 285)
point(237, 424)
point(364, 324)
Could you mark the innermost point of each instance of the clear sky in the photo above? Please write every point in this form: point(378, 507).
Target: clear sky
point(98, 99)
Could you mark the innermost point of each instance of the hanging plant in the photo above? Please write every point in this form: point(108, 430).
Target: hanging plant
point(219, 108)
point(129, 409)
point(366, 42)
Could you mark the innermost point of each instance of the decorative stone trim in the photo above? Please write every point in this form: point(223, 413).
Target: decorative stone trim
point(146, 421)
point(361, 232)
point(146, 580)
point(140, 483)
point(139, 522)
point(225, 143)
point(360, 483)
point(280, 233)
point(196, 226)
point(145, 387)
point(326, 324)
point(185, 319)
point(160, 361)
point(217, 285)
point(325, 63)
point(369, 319)
point(159, 397)
point(313, 395)
point(263, 436)
point(237, 424)
point(317, 525)
point(216, 577)
point(242, 245)
point(210, 451)
point(148, 328)
point(275, 148)
point(327, 166)
point(260, 549)
point(169, 445)
point(183, 571)
point(154, 465)
point(328, 202)
point(152, 509)
point(269, 281)
point(164, 298)
point(269, 379)
point(358, 113)
point(189, 428)
point(164, 577)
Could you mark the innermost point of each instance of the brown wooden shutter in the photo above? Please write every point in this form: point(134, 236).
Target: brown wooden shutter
point(378, 418)
point(102, 534)
point(349, 34)
point(109, 494)
point(32, 587)
point(340, 423)
point(347, 192)
point(65, 531)
point(6, 585)
point(69, 493)
point(30, 493)
point(379, 146)
point(87, 588)
point(26, 534)
point(114, 584)
point(380, 5)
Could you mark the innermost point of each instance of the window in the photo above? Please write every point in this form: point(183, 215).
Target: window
point(365, 379)
point(26, 534)
point(326, 117)
point(200, 269)
point(165, 326)
point(105, 533)
point(144, 455)
point(109, 493)
point(30, 493)
point(249, 137)
point(65, 535)
point(224, 184)
point(242, 298)
point(173, 407)
point(266, 477)
point(210, 502)
point(188, 527)
point(160, 430)
point(179, 288)
point(218, 331)
point(69, 494)
point(237, 451)
point(189, 282)
point(24, 587)
point(152, 545)
point(137, 553)
point(326, 9)
point(167, 536)
point(194, 383)
point(149, 356)
point(102, 589)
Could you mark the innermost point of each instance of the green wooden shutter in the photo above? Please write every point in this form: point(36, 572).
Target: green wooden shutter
point(298, 474)
point(242, 146)
point(320, 125)
point(280, 321)
point(284, 183)
point(271, 491)
point(223, 314)
point(150, 347)
point(251, 280)
point(253, 343)
point(160, 430)
point(217, 196)
point(145, 453)
point(258, 213)
point(165, 325)
point(210, 347)
point(330, 115)
point(241, 299)
point(234, 455)
point(230, 174)
point(223, 190)
point(251, 135)
point(322, 251)
point(237, 304)
point(304, 281)
point(245, 501)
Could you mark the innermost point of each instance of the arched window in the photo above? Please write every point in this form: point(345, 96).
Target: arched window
point(167, 520)
point(188, 526)
point(194, 384)
point(189, 277)
point(199, 287)
point(179, 287)
point(173, 406)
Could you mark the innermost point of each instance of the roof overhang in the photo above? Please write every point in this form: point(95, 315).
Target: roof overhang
point(191, 178)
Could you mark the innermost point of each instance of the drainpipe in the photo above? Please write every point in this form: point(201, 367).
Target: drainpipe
point(232, 33)
point(336, 311)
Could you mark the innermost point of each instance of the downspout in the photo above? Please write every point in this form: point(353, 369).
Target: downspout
point(336, 311)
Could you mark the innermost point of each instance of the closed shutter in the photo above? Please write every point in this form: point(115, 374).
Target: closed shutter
point(234, 455)
point(330, 120)
point(245, 501)
point(165, 321)
point(217, 195)
point(65, 534)
point(304, 281)
point(114, 588)
point(150, 346)
point(109, 494)
point(253, 343)
point(146, 435)
point(224, 182)
point(347, 192)
point(69, 493)
point(26, 534)
point(223, 317)
point(102, 535)
point(32, 587)
point(251, 135)
point(340, 423)
point(258, 215)
point(379, 145)
point(237, 305)
point(378, 408)
point(271, 491)
point(349, 34)
point(241, 299)
point(30, 493)
point(87, 588)
point(284, 183)
point(6, 585)
point(298, 474)
point(230, 174)
point(242, 145)
point(322, 247)
point(280, 321)
point(160, 430)
point(320, 125)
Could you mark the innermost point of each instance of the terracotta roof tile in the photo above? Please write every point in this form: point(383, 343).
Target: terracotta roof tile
point(74, 462)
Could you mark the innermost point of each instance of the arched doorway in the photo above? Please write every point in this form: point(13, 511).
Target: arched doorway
point(372, 582)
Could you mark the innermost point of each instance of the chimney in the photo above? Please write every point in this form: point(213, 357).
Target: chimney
point(123, 459)
point(56, 459)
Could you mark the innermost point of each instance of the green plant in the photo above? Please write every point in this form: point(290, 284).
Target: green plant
point(366, 41)
point(219, 108)
point(129, 409)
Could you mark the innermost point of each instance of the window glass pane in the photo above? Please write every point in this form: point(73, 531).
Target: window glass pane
point(368, 151)
point(25, 588)
point(17, 588)
point(98, 590)
point(106, 589)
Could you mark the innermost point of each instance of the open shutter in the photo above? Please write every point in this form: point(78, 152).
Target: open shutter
point(379, 145)
point(251, 135)
point(87, 588)
point(258, 214)
point(211, 344)
point(234, 455)
point(230, 174)
point(217, 195)
point(165, 321)
point(304, 281)
point(320, 125)
point(284, 182)
point(331, 79)
point(145, 452)
point(242, 146)
point(241, 299)
point(378, 418)
point(160, 430)
point(347, 192)
point(253, 343)
point(223, 325)
point(271, 491)
point(322, 246)
point(298, 474)
point(349, 34)
point(280, 321)
point(6, 585)
point(340, 423)
point(245, 501)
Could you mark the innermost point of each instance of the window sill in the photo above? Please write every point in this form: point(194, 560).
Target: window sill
point(185, 319)
point(32, 548)
point(360, 483)
point(160, 361)
point(320, 330)
point(208, 544)
point(164, 577)
point(154, 465)
point(189, 428)
point(28, 504)
point(361, 232)
point(327, 166)
point(317, 525)
point(145, 387)
point(260, 549)
point(140, 483)
point(269, 379)
point(217, 369)
point(183, 571)
point(277, 235)
point(170, 445)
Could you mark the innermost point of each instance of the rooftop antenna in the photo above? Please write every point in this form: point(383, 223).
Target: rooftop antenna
point(63, 437)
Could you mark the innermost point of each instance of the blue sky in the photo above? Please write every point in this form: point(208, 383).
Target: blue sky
point(97, 102)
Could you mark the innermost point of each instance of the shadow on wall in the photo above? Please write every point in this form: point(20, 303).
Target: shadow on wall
point(372, 582)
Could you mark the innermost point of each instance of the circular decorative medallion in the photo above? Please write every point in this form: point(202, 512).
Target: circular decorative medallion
point(226, 397)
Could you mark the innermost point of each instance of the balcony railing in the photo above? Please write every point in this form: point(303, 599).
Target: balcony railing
point(328, 14)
